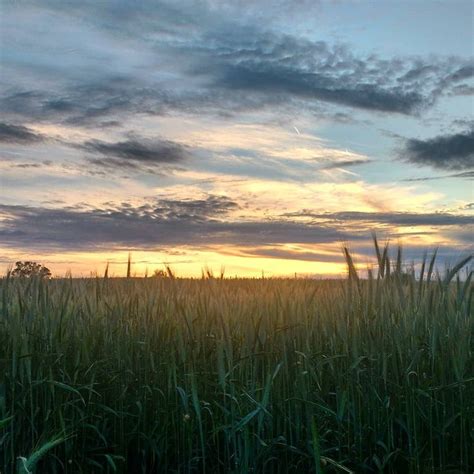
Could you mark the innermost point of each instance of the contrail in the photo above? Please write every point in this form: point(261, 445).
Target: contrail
point(297, 131)
point(342, 170)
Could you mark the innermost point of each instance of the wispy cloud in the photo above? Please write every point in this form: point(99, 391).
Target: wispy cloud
point(18, 134)
point(345, 163)
point(393, 218)
point(130, 153)
point(463, 175)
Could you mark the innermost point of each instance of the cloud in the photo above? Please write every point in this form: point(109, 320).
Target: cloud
point(165, 224)
point(267, 78)
point(44, 163)
point(86, 103)
point(199, 223)
point(18, 134)
point(463, 175)
point(447, 152)
point(133, 152)
point(211, 207)
point(463, 72)
point(346, 163)
point(438, 219)
point(209, 63)
point(283, 67)
point(282, 252)
point(462, 89)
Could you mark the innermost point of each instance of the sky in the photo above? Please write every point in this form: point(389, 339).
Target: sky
point(259, 137)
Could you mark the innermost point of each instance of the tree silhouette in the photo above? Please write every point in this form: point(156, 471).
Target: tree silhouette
point(29, 270)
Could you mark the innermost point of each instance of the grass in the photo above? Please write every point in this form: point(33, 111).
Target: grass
point(239, 376)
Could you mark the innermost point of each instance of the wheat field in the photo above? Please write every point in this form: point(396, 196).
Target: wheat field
point(172, 375)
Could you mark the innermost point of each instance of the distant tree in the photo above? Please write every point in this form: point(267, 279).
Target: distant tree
point(167, 273)
point(160, 274)
point(30, 269)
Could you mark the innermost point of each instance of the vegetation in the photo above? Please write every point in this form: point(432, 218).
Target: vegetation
point(29, 270)
point(215, 375)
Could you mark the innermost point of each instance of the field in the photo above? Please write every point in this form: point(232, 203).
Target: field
point(239, 376)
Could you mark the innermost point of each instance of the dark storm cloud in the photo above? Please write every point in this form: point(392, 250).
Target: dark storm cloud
point(18, 134)
point(133, 152)
point(448, 152)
